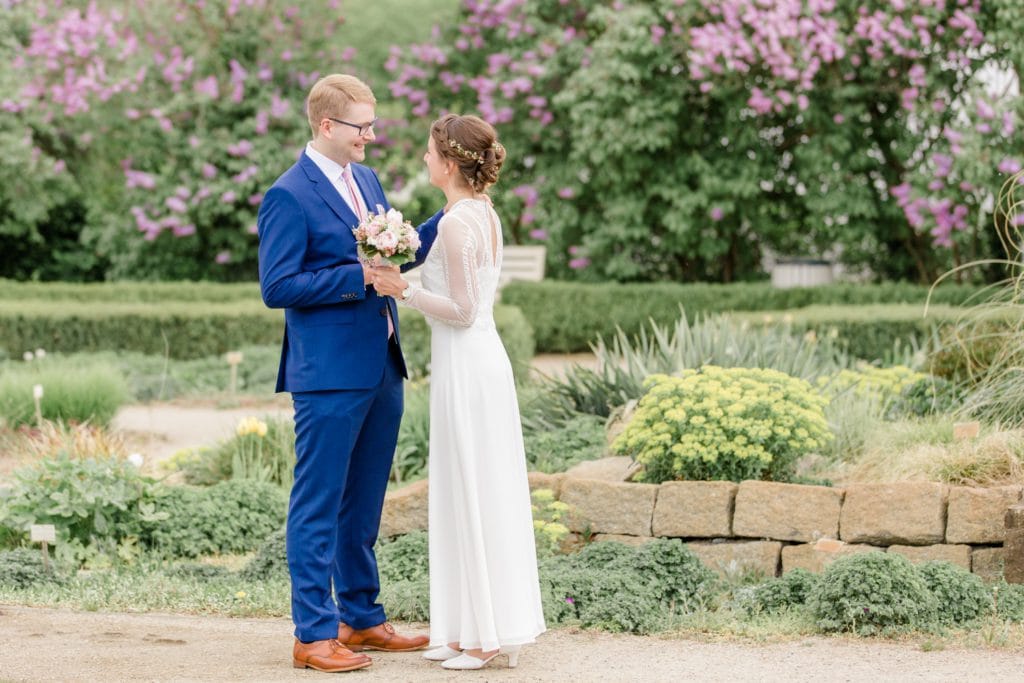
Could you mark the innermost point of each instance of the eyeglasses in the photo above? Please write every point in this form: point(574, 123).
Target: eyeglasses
point(364, 128)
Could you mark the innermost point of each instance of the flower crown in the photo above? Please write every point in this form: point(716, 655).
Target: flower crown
point(472, 156)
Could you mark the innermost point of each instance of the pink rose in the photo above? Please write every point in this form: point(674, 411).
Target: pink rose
point(386, 242)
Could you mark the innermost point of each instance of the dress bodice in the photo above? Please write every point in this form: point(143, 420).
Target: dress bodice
point(460, 274)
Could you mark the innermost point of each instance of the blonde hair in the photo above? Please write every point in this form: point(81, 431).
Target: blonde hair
point(331, 95)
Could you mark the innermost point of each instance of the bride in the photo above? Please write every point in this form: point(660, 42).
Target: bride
point(484, 590)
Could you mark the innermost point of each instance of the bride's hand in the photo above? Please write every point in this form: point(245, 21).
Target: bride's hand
point(389, 281)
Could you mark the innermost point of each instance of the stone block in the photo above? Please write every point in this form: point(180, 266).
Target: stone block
point(976, 514)
point(959, 555)
point(694, 509)
point(908, 513)
point(605, 507)
point(405, 510)
point(814, 557)
point(622, 538)
point(540, 480)
point(787, 512)
point(612, 468)
point(987, 563)
point(1013, 547)
point(731, 558)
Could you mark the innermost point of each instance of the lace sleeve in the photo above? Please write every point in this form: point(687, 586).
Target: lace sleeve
point(459, 246)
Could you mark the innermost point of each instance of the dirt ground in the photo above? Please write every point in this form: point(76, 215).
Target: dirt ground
point(38, 644)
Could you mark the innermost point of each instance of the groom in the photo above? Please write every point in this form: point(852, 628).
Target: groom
point(343, 365)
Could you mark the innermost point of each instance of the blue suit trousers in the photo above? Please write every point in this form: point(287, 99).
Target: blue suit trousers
point(344, 444)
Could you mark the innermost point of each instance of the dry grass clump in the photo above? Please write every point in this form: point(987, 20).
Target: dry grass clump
point(992, 459)
point(77, 440)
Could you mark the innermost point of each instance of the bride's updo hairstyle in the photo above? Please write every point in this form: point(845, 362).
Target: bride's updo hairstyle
point(473, 145)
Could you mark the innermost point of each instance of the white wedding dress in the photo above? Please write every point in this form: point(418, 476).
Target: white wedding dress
point(484, 590)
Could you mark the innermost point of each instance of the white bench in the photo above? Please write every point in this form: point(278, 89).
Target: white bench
point(519, 262)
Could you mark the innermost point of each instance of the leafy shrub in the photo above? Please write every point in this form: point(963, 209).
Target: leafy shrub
point(870, 593)
point(928, 396)
point(412, 449)
point(407, 600)
point(404, 575)
point(619, 588)
point(569, 316)
point(270, 561)
point(404, 558)
point(24, 567)
point(961, 595)
point(71, 392)
point(94, 502)
point(578, 439)
point(792, 589)
point(230, 517)
point(724, 423)
point(1008, 599)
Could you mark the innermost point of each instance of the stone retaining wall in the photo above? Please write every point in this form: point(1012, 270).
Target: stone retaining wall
point(772, 528)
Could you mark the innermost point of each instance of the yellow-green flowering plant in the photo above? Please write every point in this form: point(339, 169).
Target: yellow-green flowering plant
point(724, 423)
point(870, 382)
point(549, 531)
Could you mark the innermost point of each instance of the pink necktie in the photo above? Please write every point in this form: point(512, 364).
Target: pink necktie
point(357, 206)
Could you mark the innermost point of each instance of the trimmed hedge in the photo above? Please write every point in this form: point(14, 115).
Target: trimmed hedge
point(180, 329)
point(129, 292)
point(568, 316)
point(186, 329)
point(870, 332)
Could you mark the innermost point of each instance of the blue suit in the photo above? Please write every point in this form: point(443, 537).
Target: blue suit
point(345, 377)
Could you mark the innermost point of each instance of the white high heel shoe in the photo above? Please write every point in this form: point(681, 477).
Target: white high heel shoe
point(441, 654)
point(465, 662)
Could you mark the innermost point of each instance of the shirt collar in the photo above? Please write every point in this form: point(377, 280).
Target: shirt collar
point(332, 169)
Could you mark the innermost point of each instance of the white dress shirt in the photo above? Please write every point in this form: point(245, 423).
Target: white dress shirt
point(333, 171)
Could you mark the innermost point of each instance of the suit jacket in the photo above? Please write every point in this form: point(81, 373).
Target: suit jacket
point(335, 334)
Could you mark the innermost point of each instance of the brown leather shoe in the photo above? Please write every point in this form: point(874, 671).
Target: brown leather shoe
point(380, 637)
point(327, 655)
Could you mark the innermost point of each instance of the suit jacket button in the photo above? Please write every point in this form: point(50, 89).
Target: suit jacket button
point(384, 311)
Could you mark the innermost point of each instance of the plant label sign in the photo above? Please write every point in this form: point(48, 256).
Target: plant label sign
point(43, 533)
point(966, 430)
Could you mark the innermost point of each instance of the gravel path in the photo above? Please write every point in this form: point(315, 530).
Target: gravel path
point(38, 644)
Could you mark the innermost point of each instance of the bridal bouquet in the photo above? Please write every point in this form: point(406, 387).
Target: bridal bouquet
point(387, 235)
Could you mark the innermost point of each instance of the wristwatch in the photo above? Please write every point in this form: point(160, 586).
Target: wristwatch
point(406, 292)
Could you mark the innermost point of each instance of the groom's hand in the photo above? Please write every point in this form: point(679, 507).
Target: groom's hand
point(369, 265)
point(388, 280)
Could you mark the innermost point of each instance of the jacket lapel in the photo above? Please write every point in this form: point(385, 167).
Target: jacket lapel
point(327, 191)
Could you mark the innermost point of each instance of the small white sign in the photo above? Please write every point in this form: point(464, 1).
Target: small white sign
point(43, 533)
